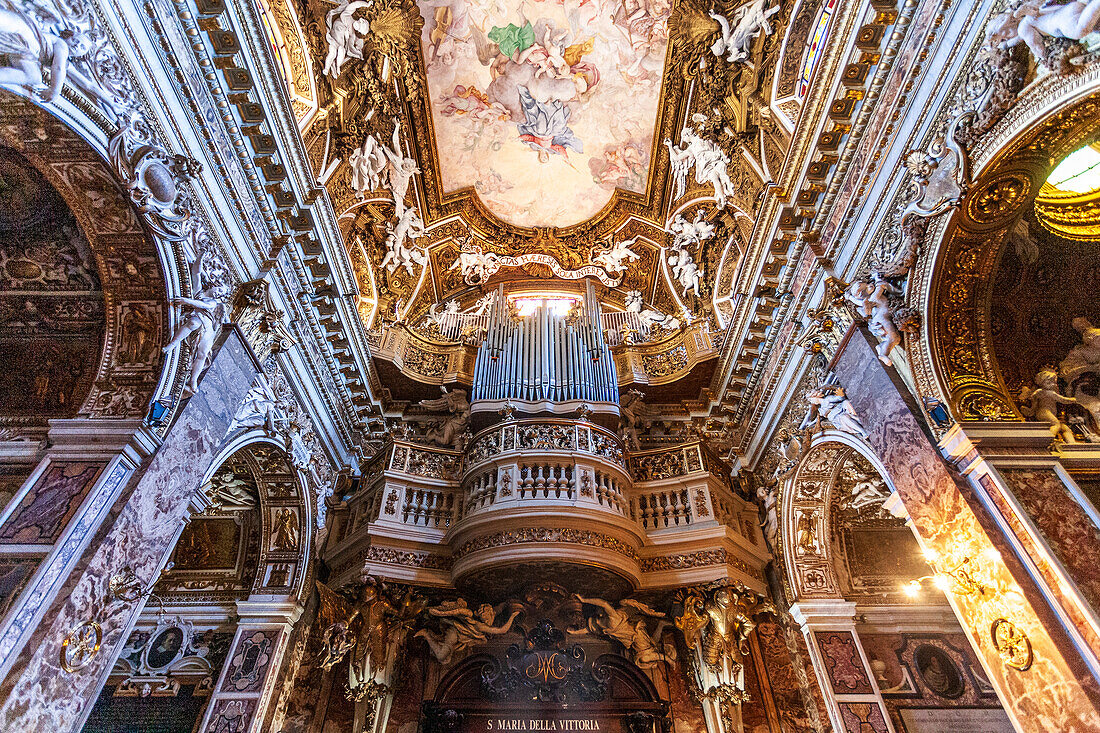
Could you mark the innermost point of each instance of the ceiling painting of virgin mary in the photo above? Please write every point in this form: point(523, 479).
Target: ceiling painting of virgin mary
point(544, 107)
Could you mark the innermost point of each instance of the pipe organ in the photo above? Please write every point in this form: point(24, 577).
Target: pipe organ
point(545, 358)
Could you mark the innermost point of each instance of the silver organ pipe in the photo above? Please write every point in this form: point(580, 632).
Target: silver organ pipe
point(542, 357)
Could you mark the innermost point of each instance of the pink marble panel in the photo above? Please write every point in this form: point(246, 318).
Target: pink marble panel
point(45, 510)
point(1067, 528)
point(840, 653)
point(863, 717)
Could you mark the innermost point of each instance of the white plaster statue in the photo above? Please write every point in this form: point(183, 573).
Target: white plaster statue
point(830, 403)
point(768, 503)
point(647, 316)
point(345, 35)
point(1084, 358)
point(710, 163)
point(690, 275)
point(449, 430)
point(368, 165)
point(441, 317)
point(226, 491)
point(398, 253)
point(483, 304)
point(27, 49)
point(612, 260)
point(1035, 20)
point(400, 170)
point(747, 22)
point(689, 233)
point(462, 628)
point(871, 299)
point(869, 491)
point(631, 411)
point(476, 265)
point(1041, 403)
point(29, 45)
point(627, 625)
point(203, 320)
point(259, 409)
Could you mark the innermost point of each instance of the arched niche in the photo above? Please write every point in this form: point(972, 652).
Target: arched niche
point(94, 259)
point(257, 530)
point(836, 538)
point(969, 271)
point(238, 553)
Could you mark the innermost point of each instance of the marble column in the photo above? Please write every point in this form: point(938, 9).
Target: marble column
point(851, 692)
point(47, 525)
point(1050, 522)
point(248, 685)
point(60, 669)
point(1038, 671)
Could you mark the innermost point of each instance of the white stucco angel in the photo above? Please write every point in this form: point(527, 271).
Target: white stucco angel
point(26, 50)
point(1035, 20)
point(627, 625)
point(475, 264)
point(689, 277)
point(735, 36)
point(399, 169)
point(203, 318)
point(259, 409)
point(649, 317)
point(462, 628)
point(710, 163)
point(441, 316)
point(368, 166)
point(871, 299)
point(399, 250)
point(688, 233)
point(33, 41)
point(613, 259)
point(830, 403)
point(345, 35)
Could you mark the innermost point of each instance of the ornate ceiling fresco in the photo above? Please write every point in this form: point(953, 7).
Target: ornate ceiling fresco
point(544, 108)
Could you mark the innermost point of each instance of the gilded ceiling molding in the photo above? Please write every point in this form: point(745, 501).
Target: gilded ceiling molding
point(786, 264)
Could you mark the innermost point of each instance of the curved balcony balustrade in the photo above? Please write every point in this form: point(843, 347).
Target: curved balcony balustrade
point(548, 491)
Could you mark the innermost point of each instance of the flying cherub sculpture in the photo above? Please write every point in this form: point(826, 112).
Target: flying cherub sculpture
point(747, 23)
point(463, 628)
point(449, 430)
point(345, 34)
point(1035, 20)
point(613, 259)
point(829, 402)
point(627, 625)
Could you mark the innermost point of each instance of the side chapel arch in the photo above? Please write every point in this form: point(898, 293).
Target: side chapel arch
point(962, 251)
point(806, 524)
point(128, 264)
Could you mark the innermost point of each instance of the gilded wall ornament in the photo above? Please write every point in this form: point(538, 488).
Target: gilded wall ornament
point(1012, 644)
point(80, 646)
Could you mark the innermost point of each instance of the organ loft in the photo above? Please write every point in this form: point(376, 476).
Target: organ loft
point(632, 366)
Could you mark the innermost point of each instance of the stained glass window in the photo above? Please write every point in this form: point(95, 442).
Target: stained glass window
point(817, 42)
